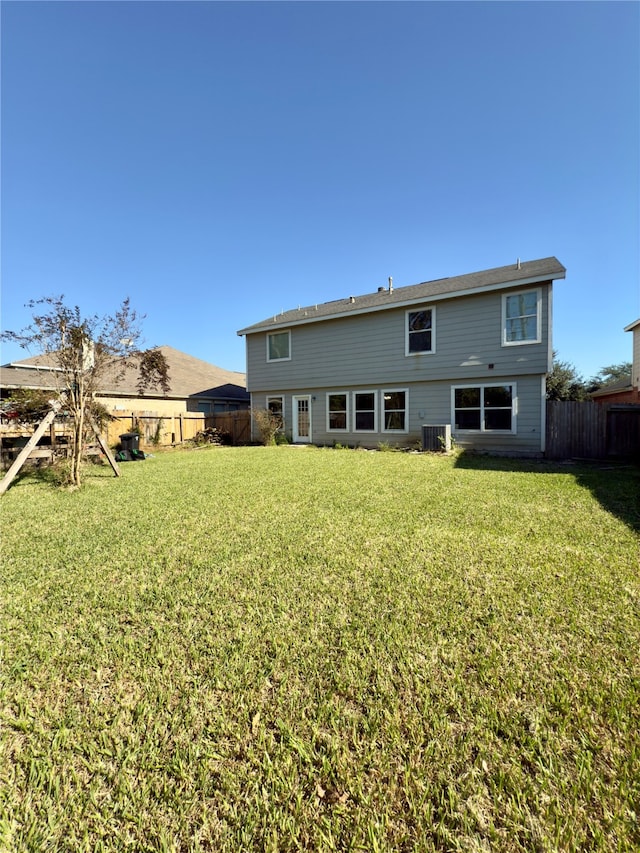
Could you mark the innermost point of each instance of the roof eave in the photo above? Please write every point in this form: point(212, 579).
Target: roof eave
point(401, 303)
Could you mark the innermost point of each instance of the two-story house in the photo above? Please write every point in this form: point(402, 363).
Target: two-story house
point(472, 351)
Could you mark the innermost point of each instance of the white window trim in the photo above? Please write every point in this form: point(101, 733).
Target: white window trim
point(375, 410)
point(279, 332)
point(281, 398)
point(538, 338)
point(406, 410)
point(333, 394)
point(483, 385)
point(413, 310)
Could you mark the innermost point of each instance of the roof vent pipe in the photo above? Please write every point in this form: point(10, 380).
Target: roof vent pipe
point(518, 264)
point(390, 285)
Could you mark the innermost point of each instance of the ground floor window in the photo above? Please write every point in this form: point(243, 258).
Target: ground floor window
point(364, 410)
point(395, 410)
point(220, 408)
point(357, 411)
point(275, 405)
point(337, 412)
point(484, 408)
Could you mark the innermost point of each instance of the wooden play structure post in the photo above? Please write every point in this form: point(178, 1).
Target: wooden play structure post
point(24, 454)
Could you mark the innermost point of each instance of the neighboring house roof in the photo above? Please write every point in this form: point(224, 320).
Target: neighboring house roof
point(188, 377)
point(514, 275)
point(16, 376)
point(614, 388)
point(629, 386)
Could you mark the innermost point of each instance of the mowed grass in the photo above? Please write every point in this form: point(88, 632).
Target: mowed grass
point(300, 649)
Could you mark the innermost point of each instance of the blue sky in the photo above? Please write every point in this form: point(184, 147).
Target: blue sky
point(221, 162)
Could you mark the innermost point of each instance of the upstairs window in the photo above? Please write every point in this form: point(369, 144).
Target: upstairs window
point(420, 331)
point(521, 318)
point(279, 346)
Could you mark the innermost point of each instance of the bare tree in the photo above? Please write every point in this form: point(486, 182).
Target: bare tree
point(81, 352)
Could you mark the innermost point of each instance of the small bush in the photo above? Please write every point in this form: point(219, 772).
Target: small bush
point(268, 424)
point(157, 435)
point(211, 435)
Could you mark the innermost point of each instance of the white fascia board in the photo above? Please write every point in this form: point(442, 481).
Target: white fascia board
point(44, 367)
point(418, 300)
point(10, 385)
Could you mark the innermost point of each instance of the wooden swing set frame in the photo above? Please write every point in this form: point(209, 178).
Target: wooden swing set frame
point(26, 451)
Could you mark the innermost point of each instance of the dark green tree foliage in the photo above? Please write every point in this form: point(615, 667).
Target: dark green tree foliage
point(26, 405)
point(610, 374)
point(564, 382)
point(83, 352)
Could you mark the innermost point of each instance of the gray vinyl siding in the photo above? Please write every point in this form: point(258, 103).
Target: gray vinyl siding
point(366, 352)
point(369, 349)
point(428, 403)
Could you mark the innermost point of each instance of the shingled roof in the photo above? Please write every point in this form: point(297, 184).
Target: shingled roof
point(521, 273)
point(188, 377)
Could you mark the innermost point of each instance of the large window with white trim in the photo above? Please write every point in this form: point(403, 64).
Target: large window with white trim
point(521, 317)
point(394, 410)
point(364, 411)
point(484, 408)
point(337, 414)
point(420, 332)
point(279, 346)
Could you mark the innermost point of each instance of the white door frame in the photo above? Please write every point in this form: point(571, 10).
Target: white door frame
point(297, 438)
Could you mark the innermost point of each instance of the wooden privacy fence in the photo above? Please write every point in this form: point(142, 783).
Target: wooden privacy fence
point(165, 430)
point(236, 424)
point(592, 430)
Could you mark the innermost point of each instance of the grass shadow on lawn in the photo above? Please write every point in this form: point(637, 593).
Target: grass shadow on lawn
point(615, 485)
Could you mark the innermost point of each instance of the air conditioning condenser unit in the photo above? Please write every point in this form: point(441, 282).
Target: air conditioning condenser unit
point(436, 437)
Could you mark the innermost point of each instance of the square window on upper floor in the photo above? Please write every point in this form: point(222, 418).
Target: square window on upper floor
point(279, 346)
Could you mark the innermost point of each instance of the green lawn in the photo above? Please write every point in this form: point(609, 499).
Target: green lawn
point(299, 649)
